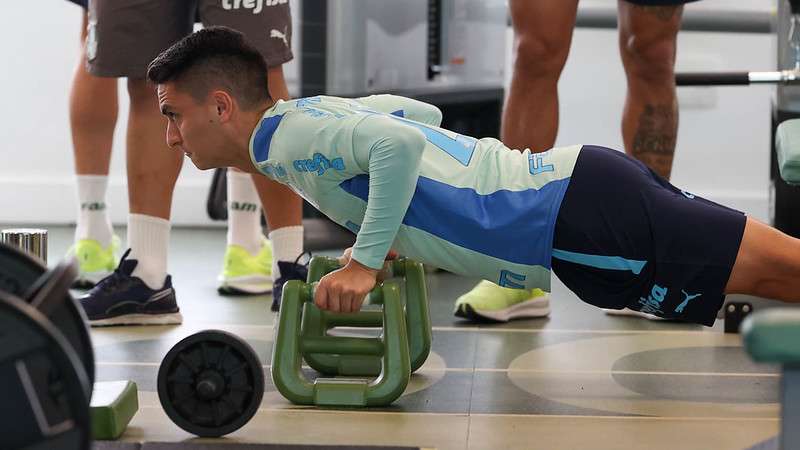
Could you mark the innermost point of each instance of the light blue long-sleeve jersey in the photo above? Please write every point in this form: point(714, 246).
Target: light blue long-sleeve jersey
point(381, 167)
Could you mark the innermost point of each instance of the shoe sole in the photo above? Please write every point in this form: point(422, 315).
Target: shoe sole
point(140, 319)
point(529, 309)
point(626, 312)
point(247, 285)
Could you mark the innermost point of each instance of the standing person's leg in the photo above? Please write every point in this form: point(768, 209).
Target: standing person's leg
point(542, 37)
point(127, 35)
point(648, 32)
point(269, 29)
point(92, 117)
point(152, 172)
point(249, 266)
point(647, 40)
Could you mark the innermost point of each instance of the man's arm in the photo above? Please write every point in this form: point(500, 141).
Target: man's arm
point(404, 107)
point(390, 153)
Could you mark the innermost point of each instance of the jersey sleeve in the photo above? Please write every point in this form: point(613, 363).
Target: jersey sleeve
point(404, 107)
point(390, 152)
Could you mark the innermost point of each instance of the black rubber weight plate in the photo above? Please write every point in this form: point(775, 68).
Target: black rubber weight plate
point(18, 273)
point(211, 383)
point(45, 404)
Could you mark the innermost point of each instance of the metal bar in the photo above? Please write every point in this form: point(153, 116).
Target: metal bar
point(693, 20)
point(737, 78)
point(712, 78)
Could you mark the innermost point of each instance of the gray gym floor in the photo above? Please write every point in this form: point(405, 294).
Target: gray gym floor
point(576, 380)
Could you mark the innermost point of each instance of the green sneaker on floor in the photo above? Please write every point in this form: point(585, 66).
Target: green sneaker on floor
point(94, 261)
point(246, 274)
point(490, 302)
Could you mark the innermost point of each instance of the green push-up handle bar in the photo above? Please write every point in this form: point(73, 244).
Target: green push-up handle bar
point(391, 348)
point(316, 323)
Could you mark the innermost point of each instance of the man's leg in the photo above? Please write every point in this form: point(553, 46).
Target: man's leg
point(140, 291)
point(124, 36)
point(283, 210)
point(269, 29)
point(767, 264)
point(647, 41)
point(542, 37)
point(92, 116)
point(153, 169)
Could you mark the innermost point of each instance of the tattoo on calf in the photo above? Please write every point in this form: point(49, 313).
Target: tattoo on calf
point(654, 141)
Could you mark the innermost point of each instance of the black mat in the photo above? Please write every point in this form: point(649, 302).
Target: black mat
point(111, 445)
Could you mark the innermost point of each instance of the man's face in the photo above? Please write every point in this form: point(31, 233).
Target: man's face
point(192, 127)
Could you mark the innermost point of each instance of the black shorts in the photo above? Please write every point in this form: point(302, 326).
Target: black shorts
point(625, 237)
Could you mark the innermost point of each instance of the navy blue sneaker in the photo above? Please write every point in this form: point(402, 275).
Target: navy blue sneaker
point(122, 299)
point(289, 271)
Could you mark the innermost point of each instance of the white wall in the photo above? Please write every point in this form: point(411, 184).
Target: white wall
point(722, 145)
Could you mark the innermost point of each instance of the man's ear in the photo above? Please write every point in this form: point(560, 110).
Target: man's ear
point(224, 104)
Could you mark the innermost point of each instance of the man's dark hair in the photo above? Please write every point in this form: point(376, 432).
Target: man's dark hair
point(214, 57)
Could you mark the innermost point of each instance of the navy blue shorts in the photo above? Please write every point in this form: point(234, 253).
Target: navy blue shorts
point(625, 237)
point(82, 3)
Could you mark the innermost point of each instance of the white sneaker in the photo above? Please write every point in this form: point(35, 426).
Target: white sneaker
point(631, 313)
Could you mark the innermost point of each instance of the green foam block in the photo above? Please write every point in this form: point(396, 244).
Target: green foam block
point(114, 403)
point(787, 147)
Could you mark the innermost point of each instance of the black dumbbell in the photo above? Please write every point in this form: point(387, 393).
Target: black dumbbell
point(211, 383)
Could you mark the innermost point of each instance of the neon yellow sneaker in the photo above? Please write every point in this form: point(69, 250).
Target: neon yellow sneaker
point(246, 274)
point(94, 261)
point(490, 302)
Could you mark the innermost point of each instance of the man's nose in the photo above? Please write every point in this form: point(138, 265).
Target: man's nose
point(173, 136)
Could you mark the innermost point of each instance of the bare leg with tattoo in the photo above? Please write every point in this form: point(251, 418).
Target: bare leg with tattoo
point(647, 41)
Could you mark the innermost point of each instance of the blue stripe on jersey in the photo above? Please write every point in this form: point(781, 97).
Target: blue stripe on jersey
point(398, 113)
point(600, 262)
point(264, 137)
point(460, 147)
point(494, 224)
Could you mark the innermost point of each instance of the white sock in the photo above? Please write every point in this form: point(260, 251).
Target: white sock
point(287, 245)
point(148, 239)
point(244, 212)
point(93, 221)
